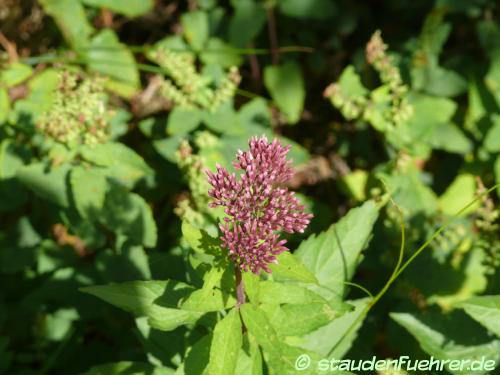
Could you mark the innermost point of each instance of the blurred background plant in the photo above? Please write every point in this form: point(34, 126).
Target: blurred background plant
point(110, 112)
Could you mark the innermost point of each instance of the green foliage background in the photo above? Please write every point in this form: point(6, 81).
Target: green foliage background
point(126, 220)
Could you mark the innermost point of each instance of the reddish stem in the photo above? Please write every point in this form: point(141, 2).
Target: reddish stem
point(240, 288)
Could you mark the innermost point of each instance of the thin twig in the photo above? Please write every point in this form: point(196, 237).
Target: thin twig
point(240, 288)
point(10, 48)
point(273, 36)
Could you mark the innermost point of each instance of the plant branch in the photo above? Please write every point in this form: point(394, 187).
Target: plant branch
point(273, 36)
point(240, 288)
point(400, 267)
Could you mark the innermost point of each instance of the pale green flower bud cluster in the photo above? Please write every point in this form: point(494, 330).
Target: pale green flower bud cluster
point(190, 90)
point(488, 227)
point(351, 107)
point(78, 114)
point(376, 55)
point(193, 166)
point(385, 107)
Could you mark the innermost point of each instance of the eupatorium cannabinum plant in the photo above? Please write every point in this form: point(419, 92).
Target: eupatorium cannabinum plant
point(258, 204)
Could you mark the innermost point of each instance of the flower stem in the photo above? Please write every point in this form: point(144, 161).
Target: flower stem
point(240, 288)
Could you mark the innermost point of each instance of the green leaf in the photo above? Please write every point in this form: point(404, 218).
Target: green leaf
point(460, 193)
point(210, 297)
point(218, 52)
point(248, 20)
point(329, 340)
point(76, 29)
point(307, 9)
point(89, 187)
point(15, 73)
point(48, 184)
point(299, 319)
point(108, 56)
point(40, 98)
point(226, 343)
point(129, 215)
point(334, 255)
point(441, 347)
point(249, 359)
point(411, 194)
point(282, 357)
point(168, 319)
point(129, 368)
point(4, 104)
point(449, 137)
point(196, 28)
point(259, 326)
point(350, 83)
point(289, 267)
point(272, 292)
point(496, 168)
point(492, 139)
point(485, 310)
point(286, 86)
point(182, 121)
point(123, 163)
point(11, 159)
point(197, 358)
point(137, 297)
point(129, 8)
point(158, 300)
point(129, 263)
point(224, 120)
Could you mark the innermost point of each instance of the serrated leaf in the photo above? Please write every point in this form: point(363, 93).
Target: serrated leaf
point(272, 292)
point(286, 86)
point(226, 343)
point(224, 120)
point(130, 8)
point(308, 9)
point(350, 83)
point(492, 139)
point(128, 214)
point(282, 357)
point(158, 300)
point(123, 163)
point(15, 73)
point(460, 193)
point(137, 297)
point(246, 23)
point(485, 310)
point(182, 121)
point(329, 340)
point(47, 184)
point(333, 256)
point(258, 325)
point(168, 319)
point(108, 56)
point(89, 188)
point(496, 169)
point(197, 358)
point(4, 104)
point(76, 29)
point(131, 368)
point(249, 359)
point(441, 347)
point(300, 319)
point(210, 297)
point(196, 28)
point(218, 52)
point(289, 267)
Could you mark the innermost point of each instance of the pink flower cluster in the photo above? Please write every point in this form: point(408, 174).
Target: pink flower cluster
point(258, 205)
